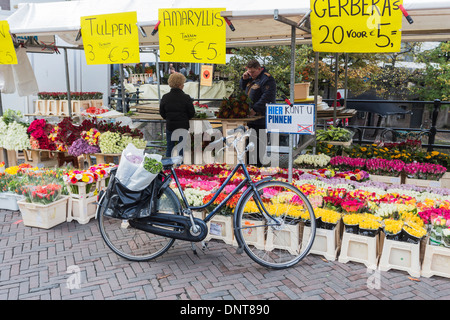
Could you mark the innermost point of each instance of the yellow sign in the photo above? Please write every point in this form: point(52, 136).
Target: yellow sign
point(192, 35)
point(111, 38)
point(356, 26)
point(7, 51)
point(206, 76)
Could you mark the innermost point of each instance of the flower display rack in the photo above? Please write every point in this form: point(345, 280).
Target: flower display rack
point(287, 238)
point(8, 201)
point(221, 228)
point(386, 179)
point(254, 234)
point(361, 249)
point(424, 183)
point(436, 262)
point(400, 255)
point(44, 216)
point(61, 107)
point(81, 209)
point(82, 203)
point(327, 243)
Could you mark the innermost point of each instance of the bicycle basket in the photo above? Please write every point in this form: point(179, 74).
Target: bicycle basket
point(123, 203)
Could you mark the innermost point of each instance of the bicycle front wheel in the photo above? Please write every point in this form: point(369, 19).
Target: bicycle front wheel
point(282, 240)
point(134, 244)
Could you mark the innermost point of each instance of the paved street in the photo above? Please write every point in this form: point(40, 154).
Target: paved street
point(49, 265)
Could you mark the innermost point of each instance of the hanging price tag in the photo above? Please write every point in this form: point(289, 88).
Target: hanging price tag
point(7, 51)
point(111, 38)
point(356, 26)
point(192, 35)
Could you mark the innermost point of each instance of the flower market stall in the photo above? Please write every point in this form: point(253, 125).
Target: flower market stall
point(353, 209)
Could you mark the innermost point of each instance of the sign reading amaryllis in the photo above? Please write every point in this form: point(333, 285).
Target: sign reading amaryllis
point(356, 26)
point(192, 35)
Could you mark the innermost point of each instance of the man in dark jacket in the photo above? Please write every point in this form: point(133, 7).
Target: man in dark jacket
point(176, 108)
point(261, 88)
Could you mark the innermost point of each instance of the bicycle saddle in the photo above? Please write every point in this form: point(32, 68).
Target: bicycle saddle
point(169, 162)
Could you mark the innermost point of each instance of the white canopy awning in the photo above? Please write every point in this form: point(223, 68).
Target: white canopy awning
point(253, 19)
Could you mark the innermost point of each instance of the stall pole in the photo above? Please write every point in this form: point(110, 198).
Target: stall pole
point(316, 93)
point(66, 65)
point(121, 107)
point(158, 76)
point(345, 82)
point(292, 98)
point(199, 81)
point(5, 153)
point(336, 75)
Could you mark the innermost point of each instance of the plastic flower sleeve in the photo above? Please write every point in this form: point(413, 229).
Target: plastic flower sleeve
point(146, 172)
point(44, 194)
point(130, 161)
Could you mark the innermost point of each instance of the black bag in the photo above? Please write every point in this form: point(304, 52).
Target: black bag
point(123, 203)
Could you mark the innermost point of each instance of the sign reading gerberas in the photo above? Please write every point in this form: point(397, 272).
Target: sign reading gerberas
point(234, 107)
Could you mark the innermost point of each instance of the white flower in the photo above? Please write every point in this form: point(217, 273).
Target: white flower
point(16, 137)
point(193, 196)
point(321, 160)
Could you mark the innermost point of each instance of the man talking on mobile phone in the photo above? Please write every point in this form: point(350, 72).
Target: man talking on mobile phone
point(261, 88)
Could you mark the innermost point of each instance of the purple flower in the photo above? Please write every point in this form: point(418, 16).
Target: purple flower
point(81, 146)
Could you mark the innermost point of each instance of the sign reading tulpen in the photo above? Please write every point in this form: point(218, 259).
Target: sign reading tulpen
point(356, 26)
point(7, 52)
point(111, 38)
point(297, 118)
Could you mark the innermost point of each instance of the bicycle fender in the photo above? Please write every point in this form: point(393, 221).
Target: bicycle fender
point(239, 203)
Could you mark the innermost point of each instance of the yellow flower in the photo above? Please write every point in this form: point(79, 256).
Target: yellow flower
point(393, 226)
point(369, 224)
point(415, 230)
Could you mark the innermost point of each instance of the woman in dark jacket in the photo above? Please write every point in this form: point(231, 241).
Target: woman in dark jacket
point(176, 108)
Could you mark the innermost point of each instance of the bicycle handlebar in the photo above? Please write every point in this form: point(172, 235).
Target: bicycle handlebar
point(232, 132)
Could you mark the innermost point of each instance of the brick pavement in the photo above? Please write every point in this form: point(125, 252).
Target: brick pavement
point(34, 264)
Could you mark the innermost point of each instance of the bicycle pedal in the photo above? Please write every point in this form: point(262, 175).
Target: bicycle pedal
point(204, 245)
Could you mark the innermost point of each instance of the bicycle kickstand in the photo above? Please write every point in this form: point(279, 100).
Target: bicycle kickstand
point(194, 249)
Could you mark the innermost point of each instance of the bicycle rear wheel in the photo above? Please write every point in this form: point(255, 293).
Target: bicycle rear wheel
point(283, 241)
point(134, 244)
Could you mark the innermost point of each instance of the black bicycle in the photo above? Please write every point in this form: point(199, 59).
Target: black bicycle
point(276, 210)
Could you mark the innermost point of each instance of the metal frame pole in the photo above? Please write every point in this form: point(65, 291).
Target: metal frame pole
point(291, 141)
point(69, 100)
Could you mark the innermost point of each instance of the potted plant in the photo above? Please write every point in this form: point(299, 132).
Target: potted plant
point(413, 233)
point(351, 222)
point(369, 227)
point(393, 229)
point(335, 136)
point(44, 206)
point(234, 107)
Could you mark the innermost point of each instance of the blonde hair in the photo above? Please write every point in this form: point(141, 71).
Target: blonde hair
point(176, 80)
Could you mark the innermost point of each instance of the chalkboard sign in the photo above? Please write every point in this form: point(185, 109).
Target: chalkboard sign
point(7, 51)
point(356, 26)
point(192, 35)
point(111, 38)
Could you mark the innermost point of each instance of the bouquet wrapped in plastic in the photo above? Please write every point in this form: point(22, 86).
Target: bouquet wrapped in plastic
point(136, 169)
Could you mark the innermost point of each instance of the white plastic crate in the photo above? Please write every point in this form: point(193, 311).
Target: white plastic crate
point(8, 201)
point(43, 216)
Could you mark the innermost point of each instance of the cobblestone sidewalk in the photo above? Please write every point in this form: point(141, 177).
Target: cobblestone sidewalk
point(71, 262)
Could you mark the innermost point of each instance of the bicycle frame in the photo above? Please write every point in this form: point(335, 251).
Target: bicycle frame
point(247, 181)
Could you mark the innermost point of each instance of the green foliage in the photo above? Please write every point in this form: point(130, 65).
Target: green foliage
point(334, 134)
point(434, 81)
